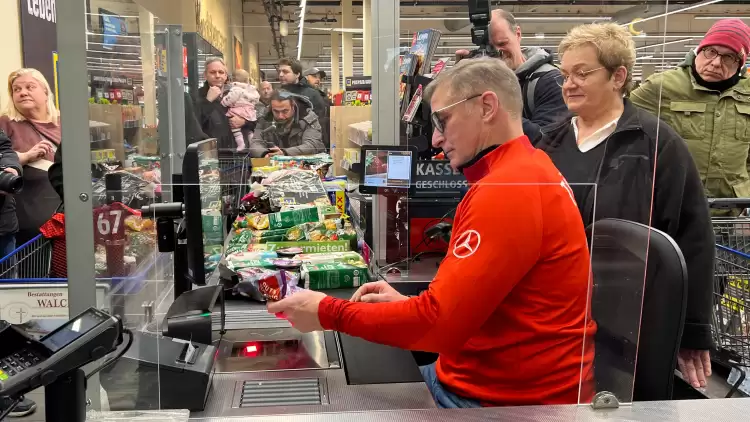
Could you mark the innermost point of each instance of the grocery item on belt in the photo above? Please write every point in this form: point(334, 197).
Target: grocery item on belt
point(286, 219)
point(268, 263)
point(351, 258)
point(261, 284)
point(295, 187)
point(255, 221)
point(248, 235)
point(289, 252)
point(248, 256)
point(334, 275)
point(337, 194)
point(289, 264)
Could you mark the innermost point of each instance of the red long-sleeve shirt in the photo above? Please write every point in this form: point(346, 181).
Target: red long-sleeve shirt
point(508, 309)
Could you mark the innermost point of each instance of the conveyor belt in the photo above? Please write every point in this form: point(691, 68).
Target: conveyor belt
point(249, 319)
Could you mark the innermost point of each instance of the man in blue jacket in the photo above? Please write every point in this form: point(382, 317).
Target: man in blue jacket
point(542, 96)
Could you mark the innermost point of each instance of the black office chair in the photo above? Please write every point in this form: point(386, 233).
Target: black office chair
point(619, 263)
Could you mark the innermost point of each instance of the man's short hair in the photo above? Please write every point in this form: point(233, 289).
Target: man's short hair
point(475, 76)
point(212, 60)
point(507, 17)
point(293, 63)
point(281, 95)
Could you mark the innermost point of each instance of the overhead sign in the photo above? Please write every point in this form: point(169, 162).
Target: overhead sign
point(354, 83)
point(39, 36)
point(438, 175)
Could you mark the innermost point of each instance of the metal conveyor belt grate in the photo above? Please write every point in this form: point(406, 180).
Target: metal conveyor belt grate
point(290, 392)
point(241, 320)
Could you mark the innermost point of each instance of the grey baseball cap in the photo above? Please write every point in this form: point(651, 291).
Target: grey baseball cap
point(314, 71)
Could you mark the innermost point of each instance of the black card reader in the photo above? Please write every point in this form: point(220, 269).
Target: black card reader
point(27, 364)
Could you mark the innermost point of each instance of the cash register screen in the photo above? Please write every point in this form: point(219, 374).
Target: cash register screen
point(388, 168)
point(71, 331)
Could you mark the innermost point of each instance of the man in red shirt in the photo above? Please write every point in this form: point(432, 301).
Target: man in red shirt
point(508, 311)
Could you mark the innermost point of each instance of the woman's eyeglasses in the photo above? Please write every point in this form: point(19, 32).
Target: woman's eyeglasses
point(578, 77)
point(727, 60)
point(438, 123)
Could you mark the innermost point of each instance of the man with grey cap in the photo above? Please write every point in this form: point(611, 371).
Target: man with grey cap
point(315, 78)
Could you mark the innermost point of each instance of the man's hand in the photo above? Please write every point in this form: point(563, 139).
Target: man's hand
point(462, 54)
point(272, 152)
point(236, 122)
point(300, 309)
point(11, 171)
point(695, 366)
point(377, 292)
point(213, 93)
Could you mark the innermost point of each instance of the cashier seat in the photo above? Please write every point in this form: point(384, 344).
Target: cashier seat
point(618, 249)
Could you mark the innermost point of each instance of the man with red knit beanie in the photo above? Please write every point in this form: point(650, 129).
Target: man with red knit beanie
point(707, 101)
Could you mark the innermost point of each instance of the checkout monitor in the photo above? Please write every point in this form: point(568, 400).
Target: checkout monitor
point(387, 168)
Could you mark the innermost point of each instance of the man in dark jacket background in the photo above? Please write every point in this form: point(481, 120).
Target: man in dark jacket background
point(542, 96)
point(288, 128)
point(211, 115)
point(290, 76)
point(8, 222)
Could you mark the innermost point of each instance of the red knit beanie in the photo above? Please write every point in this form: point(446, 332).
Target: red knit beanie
point(729, 33)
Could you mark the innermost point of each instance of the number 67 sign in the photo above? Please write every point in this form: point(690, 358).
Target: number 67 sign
point(109, 230)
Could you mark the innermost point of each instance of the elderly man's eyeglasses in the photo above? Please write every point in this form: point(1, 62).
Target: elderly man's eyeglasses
point(437, 122)
point(726, 59)
point(578, 77)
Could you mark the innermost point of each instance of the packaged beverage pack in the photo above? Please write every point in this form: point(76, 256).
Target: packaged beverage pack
point(286, 219)
point(351, 258)
point(334, 275)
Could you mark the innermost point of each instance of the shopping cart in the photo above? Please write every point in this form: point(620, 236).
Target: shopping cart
point(234, 176)
point(25, 276)
point(731, 316)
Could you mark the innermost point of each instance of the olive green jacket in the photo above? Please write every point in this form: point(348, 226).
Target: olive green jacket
point(716, 126)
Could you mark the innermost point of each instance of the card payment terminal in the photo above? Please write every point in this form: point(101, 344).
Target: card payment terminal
point(27, 364)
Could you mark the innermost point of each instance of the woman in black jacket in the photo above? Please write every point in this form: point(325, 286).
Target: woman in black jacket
point(640, 166)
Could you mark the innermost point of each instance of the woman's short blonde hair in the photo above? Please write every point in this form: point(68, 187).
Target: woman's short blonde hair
point(614, 44)
point(12, 112)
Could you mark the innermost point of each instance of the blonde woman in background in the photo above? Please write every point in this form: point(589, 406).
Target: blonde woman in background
point(32, 122)
point(609, 142)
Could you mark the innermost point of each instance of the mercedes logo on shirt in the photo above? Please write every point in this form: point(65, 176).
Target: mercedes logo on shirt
point(467, 244)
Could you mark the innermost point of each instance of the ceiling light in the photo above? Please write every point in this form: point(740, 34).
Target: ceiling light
point(284, 28)
point(539, 35)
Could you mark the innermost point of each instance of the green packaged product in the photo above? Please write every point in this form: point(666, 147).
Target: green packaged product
point(351, 258)
point(334, 275)
point(213, 231)
point(245, 236)
point(267, 239)
point(286, 219)
point(259, 263)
